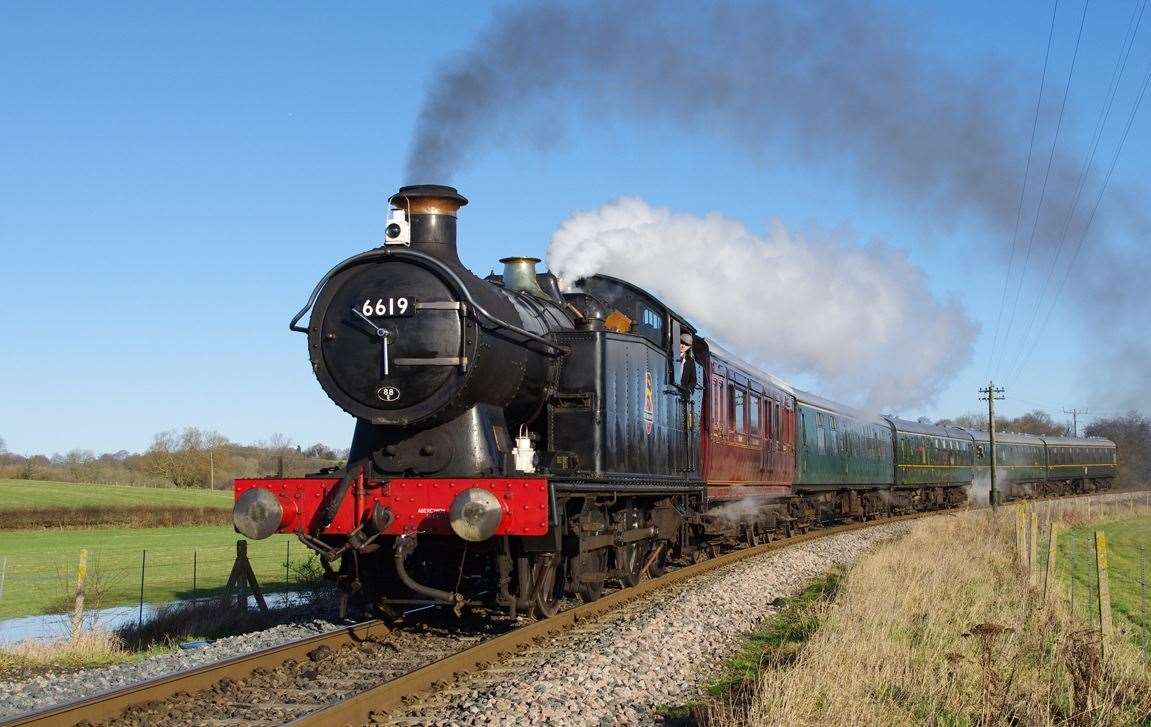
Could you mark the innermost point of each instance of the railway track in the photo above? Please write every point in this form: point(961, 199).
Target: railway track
point(314, 681)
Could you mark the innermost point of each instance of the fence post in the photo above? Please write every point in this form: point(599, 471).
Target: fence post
point(3, 572)
point(1052, 554)
point(143, 562)
point(1033, 550)
point(78, 609)
point(287, 560)
point(195, 558)
point(1143, 596)
point(1020, 514)
point(1074, 569)
point(1104, 585)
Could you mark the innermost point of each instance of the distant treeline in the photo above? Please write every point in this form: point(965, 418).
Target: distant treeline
point(195, 458)
point(187, 458)
point(1131, 433)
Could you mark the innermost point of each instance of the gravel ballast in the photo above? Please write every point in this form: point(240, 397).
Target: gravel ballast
point(48, 689)
point(658, 651)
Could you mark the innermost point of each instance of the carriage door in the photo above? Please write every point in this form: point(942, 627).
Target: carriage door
point(684, 377)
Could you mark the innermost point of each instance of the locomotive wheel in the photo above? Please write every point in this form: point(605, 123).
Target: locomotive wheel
point(629, 562)
point(583, 567)
point(547, 600)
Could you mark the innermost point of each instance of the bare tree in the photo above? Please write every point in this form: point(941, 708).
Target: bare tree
point(1132, 436)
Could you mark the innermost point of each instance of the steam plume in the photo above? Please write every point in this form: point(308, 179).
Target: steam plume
point(859, 316)
point(837, 81)
point(807, 81)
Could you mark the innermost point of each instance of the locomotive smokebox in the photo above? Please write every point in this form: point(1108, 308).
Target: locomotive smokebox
point(431, 211)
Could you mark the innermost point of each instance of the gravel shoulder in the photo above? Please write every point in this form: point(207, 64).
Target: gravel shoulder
point(660, 650)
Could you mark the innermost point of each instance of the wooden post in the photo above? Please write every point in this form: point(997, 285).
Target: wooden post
point(1052, 554)
point(241, 578)
point(1104, 585)
point(1033, 550)
point(1074, 569)
point(78, 609)
point(1143, 596)
point(143, 562)
point(1020, 514)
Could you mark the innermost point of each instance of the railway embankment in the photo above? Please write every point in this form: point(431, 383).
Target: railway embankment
point(660, 649)
point(949, 624)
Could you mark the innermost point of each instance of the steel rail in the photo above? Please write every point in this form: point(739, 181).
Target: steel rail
point(373, 704)
point(110, 704)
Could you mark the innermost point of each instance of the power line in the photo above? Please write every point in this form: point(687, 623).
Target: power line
point(1125, 48)
point(1091, 219)
point(1023, 187)
point(1047, 173)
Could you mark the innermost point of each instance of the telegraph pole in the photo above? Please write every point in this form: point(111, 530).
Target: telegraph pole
point(1075, 420)
point(992, 394)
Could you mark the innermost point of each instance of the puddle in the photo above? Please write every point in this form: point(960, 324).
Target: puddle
point(47, 627)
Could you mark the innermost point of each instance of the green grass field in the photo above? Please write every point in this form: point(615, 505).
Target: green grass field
point(1077, 567)
point(18, 494)
point(39, 567)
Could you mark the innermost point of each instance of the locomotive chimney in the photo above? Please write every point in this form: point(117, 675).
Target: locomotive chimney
point(431, 210)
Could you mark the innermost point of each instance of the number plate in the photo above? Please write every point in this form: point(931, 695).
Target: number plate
point(394, 307)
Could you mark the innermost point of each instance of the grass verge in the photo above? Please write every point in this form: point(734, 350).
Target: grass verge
point(942, 628)
point(774, 645)
point(92, 649)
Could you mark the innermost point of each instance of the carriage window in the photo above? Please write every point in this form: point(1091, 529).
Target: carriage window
point(753, 416)
point(739, 410)
point(731, 407)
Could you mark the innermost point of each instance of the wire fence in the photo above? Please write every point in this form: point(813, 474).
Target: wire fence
point(1095, 556)
point(119, 577)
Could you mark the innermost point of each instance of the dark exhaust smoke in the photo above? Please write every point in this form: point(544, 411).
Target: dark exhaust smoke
point(831, 82)
point(836, 81)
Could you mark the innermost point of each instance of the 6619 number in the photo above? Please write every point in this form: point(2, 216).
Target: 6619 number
point(388, 307)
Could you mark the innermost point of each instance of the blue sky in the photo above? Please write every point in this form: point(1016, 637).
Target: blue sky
point(174, 179)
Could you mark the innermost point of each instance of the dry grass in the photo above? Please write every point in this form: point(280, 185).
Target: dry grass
point(93, 648)
point(142, 516)
point(941, 628)
point(176, 622)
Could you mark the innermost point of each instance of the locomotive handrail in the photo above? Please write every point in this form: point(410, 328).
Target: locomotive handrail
point(496, 322)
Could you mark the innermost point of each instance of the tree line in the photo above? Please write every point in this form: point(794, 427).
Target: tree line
point(189, 457)
point(196, 458)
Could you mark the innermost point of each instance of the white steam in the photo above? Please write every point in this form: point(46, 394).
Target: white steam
point(858, 316)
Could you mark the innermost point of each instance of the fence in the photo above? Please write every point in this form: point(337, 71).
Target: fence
point(125, 576)
point(1094, 554)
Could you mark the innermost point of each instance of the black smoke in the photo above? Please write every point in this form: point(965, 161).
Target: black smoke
point(832, 82)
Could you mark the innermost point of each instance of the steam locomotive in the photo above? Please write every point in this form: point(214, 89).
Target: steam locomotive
point(516, 443)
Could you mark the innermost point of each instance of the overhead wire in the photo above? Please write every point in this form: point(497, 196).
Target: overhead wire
point(1023, 187)
point(1091, 219)
point(1125, 48)
point(1047, 174)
